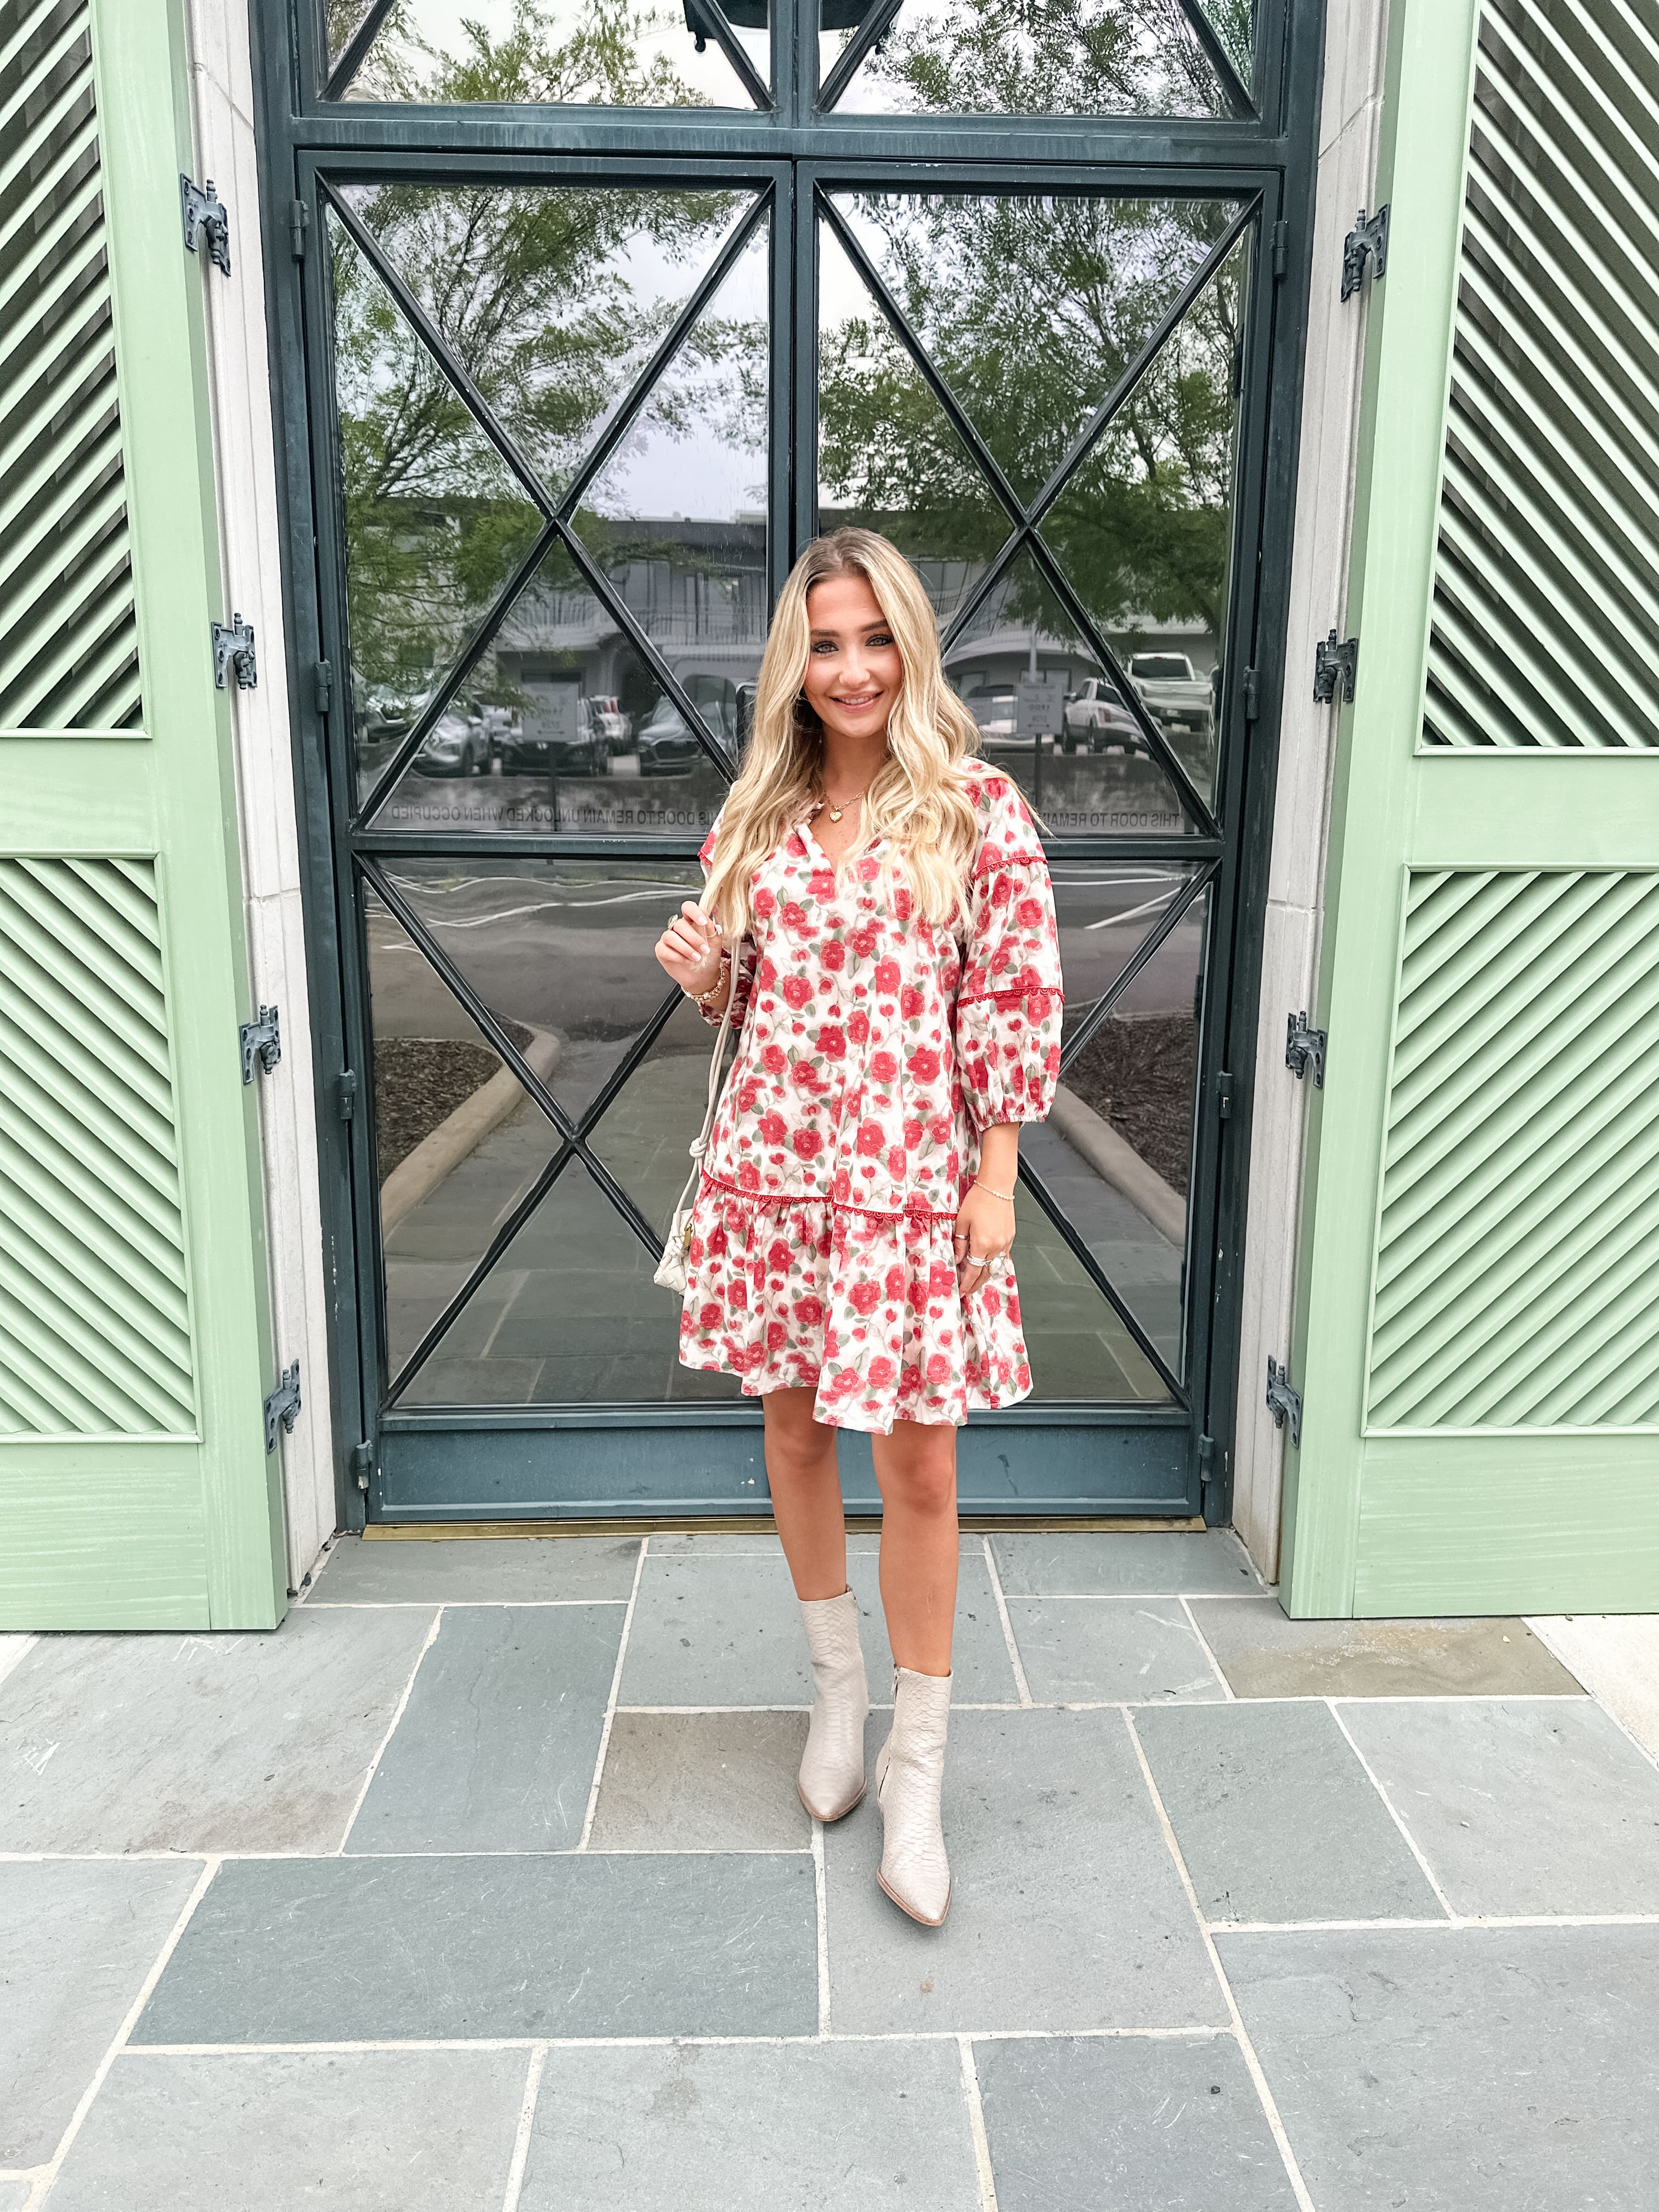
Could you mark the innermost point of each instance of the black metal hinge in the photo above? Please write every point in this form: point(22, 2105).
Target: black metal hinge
point(1304, 1047)
point(345, 1093)
point(1223, 1094)
point(1367, 241)
point(262, 1039)
point(363, 1463)
point(1336, 669)
point(322, 685)
point(205, 217)
point(1281, 250)
point(1212, 1473)
point(1252, 695)
point(282, 1405)
point(1283, 1403)
point(233, 652)
point(299, 222)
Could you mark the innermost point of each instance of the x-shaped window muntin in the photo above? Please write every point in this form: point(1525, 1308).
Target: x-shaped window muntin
point(558, 531)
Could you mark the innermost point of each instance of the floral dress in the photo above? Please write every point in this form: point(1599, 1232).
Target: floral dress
point(874, 1048)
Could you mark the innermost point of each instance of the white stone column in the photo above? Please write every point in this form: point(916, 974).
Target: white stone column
point(251, 556)
point(1350, 117)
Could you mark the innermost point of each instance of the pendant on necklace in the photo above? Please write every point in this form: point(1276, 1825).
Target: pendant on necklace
point(835, 813)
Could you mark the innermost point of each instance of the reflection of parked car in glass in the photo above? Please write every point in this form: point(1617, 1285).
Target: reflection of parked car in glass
point(1174, 698)
point(1097, 721)
point(533, 746)
point(617, 728)
point(666, 746)
point(993, 707)
point(455, 747)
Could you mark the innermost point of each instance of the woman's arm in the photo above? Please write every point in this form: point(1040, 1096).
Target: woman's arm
point(985, 1222)
point(689, 951)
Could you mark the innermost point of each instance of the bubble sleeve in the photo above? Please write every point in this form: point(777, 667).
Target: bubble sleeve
point(744, 958)
point(1009, 1006)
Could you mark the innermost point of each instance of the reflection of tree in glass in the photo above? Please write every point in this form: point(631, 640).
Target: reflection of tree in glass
point(1043, 57)
point(535, 292)
point(602, 59)
point(1032, 309)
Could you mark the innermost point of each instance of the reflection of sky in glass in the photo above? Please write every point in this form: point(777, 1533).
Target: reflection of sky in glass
point(698, 447)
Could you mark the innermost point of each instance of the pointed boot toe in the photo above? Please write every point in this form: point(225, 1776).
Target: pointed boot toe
point(914, 1871)
point(831, 1780)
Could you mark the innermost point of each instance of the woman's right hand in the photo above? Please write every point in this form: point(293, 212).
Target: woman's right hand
point(689, 950)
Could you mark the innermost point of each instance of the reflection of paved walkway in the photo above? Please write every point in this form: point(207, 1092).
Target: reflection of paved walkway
point(482, 1884)
point(570, 1314)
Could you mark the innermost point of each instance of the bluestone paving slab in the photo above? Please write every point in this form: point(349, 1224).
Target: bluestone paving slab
point(757, 1543)
point(711, 1782)
point(1090, 2125)
point(1264, 1655)
point(1545, 1807)
point(477, 1571)
point(15, 2196)
point(77, 1939)
point(283, 2131)
point(255, 1742)
point(697, 1944)
point(1086, 1650)
point(1066, 1910)
point(1463, 2069)
point(798, 2128)
point(1277, 1819)
point(496, 1747)
point(1157, 1563)
point(725, 1629)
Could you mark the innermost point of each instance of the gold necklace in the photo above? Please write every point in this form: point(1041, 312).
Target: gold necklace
point(835, 812)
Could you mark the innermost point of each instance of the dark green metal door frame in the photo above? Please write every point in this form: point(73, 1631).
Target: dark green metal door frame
point(1261, 157)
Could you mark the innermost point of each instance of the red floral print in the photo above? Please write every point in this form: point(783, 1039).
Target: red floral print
point(874, 1050)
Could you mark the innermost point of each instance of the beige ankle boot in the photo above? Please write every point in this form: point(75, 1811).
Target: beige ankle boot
point(832, 1767)
point(910, 1769)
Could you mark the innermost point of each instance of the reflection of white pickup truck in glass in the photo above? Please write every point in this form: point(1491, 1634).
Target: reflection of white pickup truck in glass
point(1174, 698)
point(1097, 721)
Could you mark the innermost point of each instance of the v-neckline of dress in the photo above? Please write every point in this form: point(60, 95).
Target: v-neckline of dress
point(808, 838)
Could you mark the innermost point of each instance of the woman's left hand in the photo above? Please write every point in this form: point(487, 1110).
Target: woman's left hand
point(984, 1236)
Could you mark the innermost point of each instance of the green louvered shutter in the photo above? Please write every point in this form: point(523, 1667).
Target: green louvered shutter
point(1478, 1335)
point(135, 1487)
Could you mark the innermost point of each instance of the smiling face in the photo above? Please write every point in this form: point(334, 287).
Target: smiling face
point(854, 670)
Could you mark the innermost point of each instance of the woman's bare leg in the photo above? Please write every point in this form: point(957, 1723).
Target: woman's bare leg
point(917, 1470)
point(805, 1485)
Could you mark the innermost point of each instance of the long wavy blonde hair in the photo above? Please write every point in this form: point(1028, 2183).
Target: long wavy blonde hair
point(919, 802)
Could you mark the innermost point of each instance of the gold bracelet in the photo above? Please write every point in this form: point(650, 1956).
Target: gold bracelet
point(701, 998)
point(1006, 1196)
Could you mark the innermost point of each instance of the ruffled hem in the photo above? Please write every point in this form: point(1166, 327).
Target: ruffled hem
point(862, 1308)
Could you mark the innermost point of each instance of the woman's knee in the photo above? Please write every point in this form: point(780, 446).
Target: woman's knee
point(918, 1470)
point(796, 1444)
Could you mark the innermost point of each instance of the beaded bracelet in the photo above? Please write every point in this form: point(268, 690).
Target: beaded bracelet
point(1006, 1196)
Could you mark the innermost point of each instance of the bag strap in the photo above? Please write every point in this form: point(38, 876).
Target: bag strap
point(700, 1142)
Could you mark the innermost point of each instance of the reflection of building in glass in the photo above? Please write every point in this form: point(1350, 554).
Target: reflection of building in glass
point(697, 589)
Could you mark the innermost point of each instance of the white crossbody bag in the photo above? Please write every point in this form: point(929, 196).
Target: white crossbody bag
point(670, 1268)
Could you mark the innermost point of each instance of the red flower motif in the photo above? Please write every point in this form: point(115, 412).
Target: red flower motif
point(911, 1132)
point(776, 1336)
point(881, 1372)
point(797, 992)
point(884, 1067)
point(793, 915)
point(887, 975)
point(938, 1368)
point(1029, 914)
point(923, 1064)
point(808, 1144)
point(864, 939)
point(833, 954)
point(775, 1059)
point(857, 1026)
point(911, 1002)
point(765, 904)
point(870, 1139)
point(809, 1311)
point(863, 1298)
point(832, 1044)
point(772, 1128)
point(710, 1315)
point(898, 1162)
point(894, 1285)
point(822, 883)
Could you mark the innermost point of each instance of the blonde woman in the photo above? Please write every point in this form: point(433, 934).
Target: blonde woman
point(877, 900)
